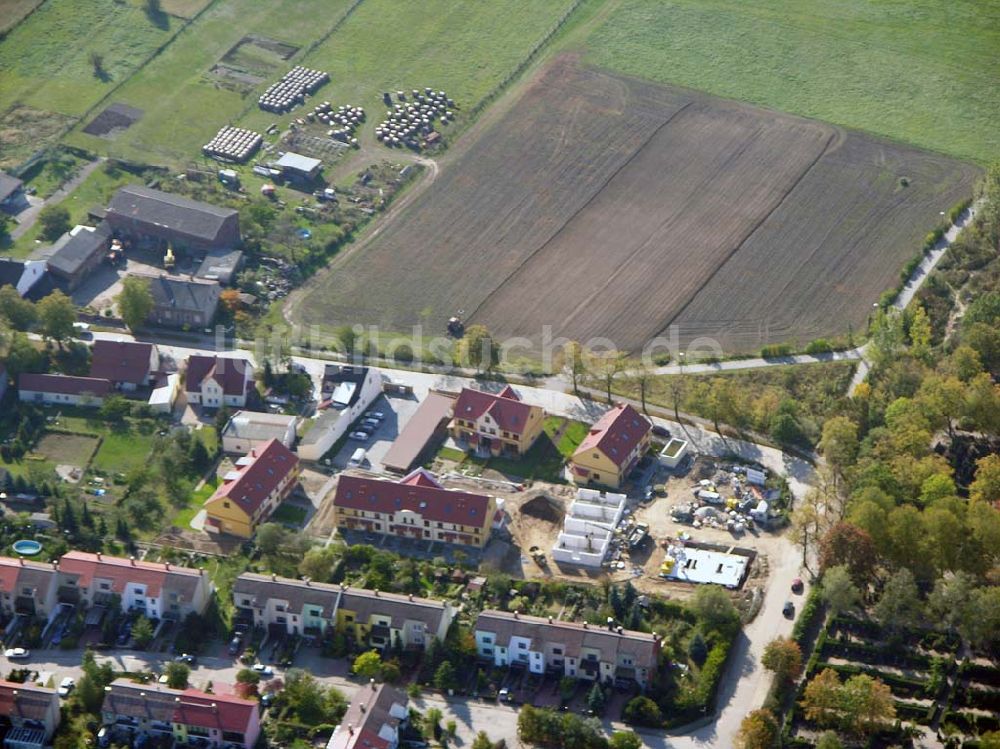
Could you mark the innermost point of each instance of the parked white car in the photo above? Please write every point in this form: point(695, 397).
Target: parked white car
point(16, 654)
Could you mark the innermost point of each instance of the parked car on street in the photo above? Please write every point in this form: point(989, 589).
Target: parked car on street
point(359, 435)
point(65, 687)
point(16, 654)
point(788, 610)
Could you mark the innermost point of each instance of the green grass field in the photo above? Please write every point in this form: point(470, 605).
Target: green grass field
point(466, 48)
point(183, 103)
point(96, 190)
point(920, 71)
point(46, 59)
point(12, 11)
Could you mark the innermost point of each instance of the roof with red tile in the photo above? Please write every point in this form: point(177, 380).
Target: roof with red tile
point(426, 498)
point(25, 700)
point(16, 574)
point(231, 374)
point(505, 408)
point(63, 384)
point(616, 434)
point(370, 712)
point(121, 361)
point(266, 468)
point(156, 576)
point(223, 711)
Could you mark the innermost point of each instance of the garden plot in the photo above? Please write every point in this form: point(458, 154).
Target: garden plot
point(113, 120)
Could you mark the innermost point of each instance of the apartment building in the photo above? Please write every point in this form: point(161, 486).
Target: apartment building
point(495, 424)
point(220, 718)
point(247, 496)
point(374, 618)
point(417, 506)
point(612, 447)
point(607, 654)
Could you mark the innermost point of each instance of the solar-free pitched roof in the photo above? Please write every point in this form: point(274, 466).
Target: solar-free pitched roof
point(156, 576)
point(258, 474)
point(63, 384)
point(25, 701)
point(183, 215)
point(419, 493)
point(505, 408)
point(230, 374)
point(616, 434)
point(8, 185)
point(191, 296)
point(121, 361)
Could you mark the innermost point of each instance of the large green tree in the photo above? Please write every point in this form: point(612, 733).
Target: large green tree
point(135, 301)
point(57, 315)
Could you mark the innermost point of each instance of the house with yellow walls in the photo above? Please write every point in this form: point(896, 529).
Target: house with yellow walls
point(374, 618)
point(612, 448)
point(417, 507)
point(495, 424)
point(247, 496)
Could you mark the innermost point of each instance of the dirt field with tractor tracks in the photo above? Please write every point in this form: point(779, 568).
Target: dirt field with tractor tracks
point(652, 205)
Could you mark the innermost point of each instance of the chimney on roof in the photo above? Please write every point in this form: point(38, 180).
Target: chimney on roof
point(550, 620)
point(376, 592)
point(620, 630)
point(107, 689)
point(363, 709)
point(306, 580)
point(98, 556)
point(21, 560)
point(372, 682)
point(350, 729)
point(411, 596)
point(611, 624)
point(215, 708)
point(274, 578)
point(132, 560)
point(585, 625)
point(166, 565)
point(517, 614)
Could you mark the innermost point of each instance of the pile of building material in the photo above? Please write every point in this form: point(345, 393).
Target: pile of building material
point(588, 528)
point(343, 121)
point(233, 144)
point(411, 122)
point(291, 90)
point(701, 563)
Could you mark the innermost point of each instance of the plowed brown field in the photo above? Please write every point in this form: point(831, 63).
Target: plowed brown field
point(606, 206)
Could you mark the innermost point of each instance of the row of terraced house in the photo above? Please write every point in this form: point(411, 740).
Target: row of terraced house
point(157, 589)
point(608, 654)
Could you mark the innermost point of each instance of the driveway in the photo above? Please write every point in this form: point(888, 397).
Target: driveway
point(27, 218)
point(398, 412)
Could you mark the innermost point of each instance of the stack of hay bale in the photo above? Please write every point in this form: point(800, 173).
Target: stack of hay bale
point(233, 144)
point(291, 90)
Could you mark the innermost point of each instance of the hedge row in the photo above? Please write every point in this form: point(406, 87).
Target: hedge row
point(875, 654)
point(901, 686)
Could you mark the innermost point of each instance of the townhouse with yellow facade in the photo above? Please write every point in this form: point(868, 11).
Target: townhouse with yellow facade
point(373, 618)
point(495, 424)
point(612, 448)
point(247, 496)
point(417, 507)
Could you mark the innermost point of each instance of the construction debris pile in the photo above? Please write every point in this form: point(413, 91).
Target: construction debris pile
point(291, 90)
point(410, 122)
point(749, 503)
point(233, 144)
point(343, 121)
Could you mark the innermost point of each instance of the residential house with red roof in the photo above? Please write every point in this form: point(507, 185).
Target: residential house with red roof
point(215, 381)
point(128, 365)
point(612, 447)
point(608, 655)
point(374, 719)
point(159, 590)
point(247, 496)
point(155, 710)
point(31, 714)
point(28, 587)
point(494, 424)
point(62, 390)
point(417, 507)
point(374, 618)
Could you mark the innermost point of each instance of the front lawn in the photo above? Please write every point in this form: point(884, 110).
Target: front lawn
point(184, 515)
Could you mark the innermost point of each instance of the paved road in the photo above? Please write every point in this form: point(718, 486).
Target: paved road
point(26, 219)
point(916, 280)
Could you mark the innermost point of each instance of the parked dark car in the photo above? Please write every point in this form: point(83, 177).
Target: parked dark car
point(788, 610)
point(660, 431)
